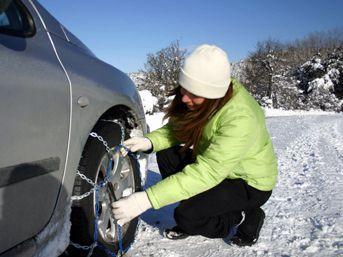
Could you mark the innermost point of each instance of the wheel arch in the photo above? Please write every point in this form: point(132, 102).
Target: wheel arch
point(123, 114)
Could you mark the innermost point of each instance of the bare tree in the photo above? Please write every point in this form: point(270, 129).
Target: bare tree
point(160, 74)
point(263, 68)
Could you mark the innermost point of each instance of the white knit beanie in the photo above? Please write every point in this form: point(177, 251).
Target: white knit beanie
point(206, 72)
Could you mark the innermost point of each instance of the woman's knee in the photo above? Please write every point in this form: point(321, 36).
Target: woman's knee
point(185, 212)
point(164, 162)
point(185, 219)
point(171, 160)
point(162, 157)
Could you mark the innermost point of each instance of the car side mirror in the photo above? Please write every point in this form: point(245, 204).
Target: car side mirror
point(4, 5)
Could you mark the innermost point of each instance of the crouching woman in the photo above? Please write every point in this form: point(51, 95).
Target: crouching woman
point(215, 156)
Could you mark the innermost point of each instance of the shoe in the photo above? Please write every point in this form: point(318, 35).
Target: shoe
point(249, 231)
point(233, 230)
point(175, 233)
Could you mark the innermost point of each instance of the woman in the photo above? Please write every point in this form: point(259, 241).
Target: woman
point(214, 155)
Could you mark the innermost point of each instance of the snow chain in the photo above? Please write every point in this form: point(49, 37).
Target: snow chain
point(95, 189)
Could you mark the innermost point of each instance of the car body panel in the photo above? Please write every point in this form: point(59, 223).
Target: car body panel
point(34, 111)
point(81, 74)
point(105, 87)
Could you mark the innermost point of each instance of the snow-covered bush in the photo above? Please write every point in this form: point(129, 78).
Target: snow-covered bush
point(308, 72)
point(334, 69)
point(148, 100)
point(322, 81)
point(304, 74)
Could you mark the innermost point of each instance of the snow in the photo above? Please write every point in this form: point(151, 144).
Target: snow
point(304, 213)
point(269, 112)
point(333, 73)
point(142, 159)
point(316, 83)
point(155, 120)
point(328, 84)
point(317, 65)
point(148, 100)
point(57, 233)
point(324, 82)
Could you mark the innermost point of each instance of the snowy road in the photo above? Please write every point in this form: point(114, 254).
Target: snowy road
point(304, 215)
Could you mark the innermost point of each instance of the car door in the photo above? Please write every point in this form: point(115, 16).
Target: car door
point(34, 124)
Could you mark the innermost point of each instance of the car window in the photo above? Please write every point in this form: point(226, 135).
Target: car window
point(4, 20)
point(16, 21)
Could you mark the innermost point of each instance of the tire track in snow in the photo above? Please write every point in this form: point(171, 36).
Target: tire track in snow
point(301, 220)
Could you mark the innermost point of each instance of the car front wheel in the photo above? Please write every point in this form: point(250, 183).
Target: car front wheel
point(91, 217)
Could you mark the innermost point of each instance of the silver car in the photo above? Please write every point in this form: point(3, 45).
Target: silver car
point(54, 93)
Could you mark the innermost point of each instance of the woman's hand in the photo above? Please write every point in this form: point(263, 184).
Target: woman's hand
point(138, 144)
point(130, 207)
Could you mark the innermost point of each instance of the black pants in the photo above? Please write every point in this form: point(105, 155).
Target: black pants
point(211, 213)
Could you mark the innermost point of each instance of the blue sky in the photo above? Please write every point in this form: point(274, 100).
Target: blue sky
point(122, 33)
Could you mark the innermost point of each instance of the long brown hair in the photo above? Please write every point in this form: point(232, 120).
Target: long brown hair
point(188, 125)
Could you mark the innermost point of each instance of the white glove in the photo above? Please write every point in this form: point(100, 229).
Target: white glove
point(138, 144)
point(130, 207)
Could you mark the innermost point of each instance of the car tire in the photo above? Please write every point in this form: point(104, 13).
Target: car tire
point(83, 211)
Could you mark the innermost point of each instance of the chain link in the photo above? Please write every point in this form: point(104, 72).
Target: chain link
point(91, 251)
point(83, 247)
point(121, 128)
point(93, 134)
point(96, 188)
point(85, 178)
point(89, 181)
point(80, 197)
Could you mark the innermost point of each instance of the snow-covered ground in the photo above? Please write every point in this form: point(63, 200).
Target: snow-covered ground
point(304, 216)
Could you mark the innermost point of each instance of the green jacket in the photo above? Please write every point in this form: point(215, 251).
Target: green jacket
point(235, 144)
